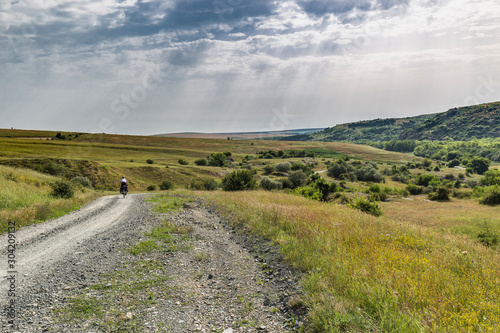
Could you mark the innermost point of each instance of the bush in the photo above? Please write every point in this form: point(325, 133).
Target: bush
point(62, 189)
point(479, 165)
point(82, 181)
point(269, 169)
point(201, 162)
point(269, 185)
point(218, 160)
point(239, 181)
point(325, 188)
point(491, 196)
point(339, 168)
point(150, 161)
point(183, 161)
point(425, 179)
point(210, 184)
point(487, 236)
point(151, 188)
point(301, 166)
point(196, 184)
point(454, 163)
point(283, 167)
point(366, 206)
point(166, 185)
point(442, 194)
point(491, 177)
point(309, 193)
point(414, 189)
point(298, 178)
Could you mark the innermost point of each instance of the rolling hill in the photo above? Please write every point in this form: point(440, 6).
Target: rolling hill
point(479, 121)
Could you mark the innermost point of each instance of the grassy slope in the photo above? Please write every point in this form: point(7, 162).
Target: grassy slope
point(126, 155)
point(25, 198)
point(364, 273)
point(370, 130)
point(480, 121)
point(404, 271)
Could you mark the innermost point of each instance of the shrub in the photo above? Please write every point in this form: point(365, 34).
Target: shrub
point(201, 162)
point(218, 160)
point(286, 183)
point(325, 187)
point(269, 185)
point(442, 194)
point(210, 184)
point(196, 184)
point(453, 163)
point(283, 167)
point(491, 196)
point(491, 177)
point(298, 178)
point(369, 174)
point(150, 161)
point(487, 236)
point(479, 165)
point(301, 166)
point(366, 206)
point(62, 189)
point(414, 189)
point(182, 161)
point(166, 185)
point(309, 192)
point(339, 168)
point(269, 169)
point(151, 188)
point(239, 181)
point(82, 181)
point(425, 179)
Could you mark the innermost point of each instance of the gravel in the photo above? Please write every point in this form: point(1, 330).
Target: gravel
point(216, 278)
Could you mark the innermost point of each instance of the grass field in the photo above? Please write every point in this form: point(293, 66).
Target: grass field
point(25, 198)
point(419, 268)
point(363, 273)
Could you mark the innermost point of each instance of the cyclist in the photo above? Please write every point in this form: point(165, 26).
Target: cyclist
point(123, 184)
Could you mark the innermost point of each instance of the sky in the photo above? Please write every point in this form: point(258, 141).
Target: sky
point(149, 67)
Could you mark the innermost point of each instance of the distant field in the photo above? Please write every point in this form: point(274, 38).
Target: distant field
point(418, 268)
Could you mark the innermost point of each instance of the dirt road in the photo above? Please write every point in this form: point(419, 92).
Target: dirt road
point(220, 280)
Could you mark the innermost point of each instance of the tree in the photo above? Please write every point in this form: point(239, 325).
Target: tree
point(479, 165)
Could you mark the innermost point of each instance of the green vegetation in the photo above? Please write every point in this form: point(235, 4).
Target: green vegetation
point(364, 131)
point(363, 273)
point(465, 123)
point(240, 180)
point(26, 197)
point(385, 272)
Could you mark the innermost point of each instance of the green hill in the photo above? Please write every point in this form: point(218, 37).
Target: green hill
point(368, 130)
point(479, 121)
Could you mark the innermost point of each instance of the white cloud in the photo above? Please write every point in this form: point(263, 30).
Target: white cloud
point(326, 64)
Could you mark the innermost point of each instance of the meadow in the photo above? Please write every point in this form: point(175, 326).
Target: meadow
point(420, 267)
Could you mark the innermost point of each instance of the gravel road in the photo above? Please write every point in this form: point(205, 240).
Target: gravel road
point(222, 280)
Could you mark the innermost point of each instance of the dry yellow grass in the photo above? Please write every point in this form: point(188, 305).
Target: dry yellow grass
point(366, 273)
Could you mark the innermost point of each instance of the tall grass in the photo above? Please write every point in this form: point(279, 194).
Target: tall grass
point(362, 272)
point(25, 198)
